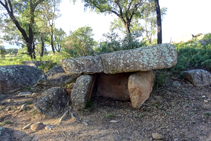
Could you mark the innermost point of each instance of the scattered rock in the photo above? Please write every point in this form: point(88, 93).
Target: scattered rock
point(48, 127)
point(140, 86)
point(37, 126)
point(25, 94)
point(202, 41)
point(52, 102)
point(176, 84)
point(27, 126)
point(157, 136)
point(198, 77)
point(113, 86)
point(17, 76)
point(205, 101)
point(2, 96)
point(113, 121)
point(85, 123)
point(84, 64)
point(55, 77)
point(82, 91)
point(23, 107)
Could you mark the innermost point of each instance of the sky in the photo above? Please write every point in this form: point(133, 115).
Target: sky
point(183, 16)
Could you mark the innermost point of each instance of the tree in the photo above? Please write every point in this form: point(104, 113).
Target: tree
point(2, 51)
point(159, 26)
point(79, 42)
point(125, 10)
point(15, 9)
point(48, 16)
point(59, 36)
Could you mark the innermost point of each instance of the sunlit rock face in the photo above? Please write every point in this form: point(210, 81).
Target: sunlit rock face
point(83, 65)
point(17, 76)
point(141, 59)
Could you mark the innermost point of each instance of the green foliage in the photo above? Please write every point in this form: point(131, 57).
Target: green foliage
point(115, 43)
point(192, 56)
point(7, 122)
point(110, 115)
point(80, 42)
point(2, 52)
point(160, 79)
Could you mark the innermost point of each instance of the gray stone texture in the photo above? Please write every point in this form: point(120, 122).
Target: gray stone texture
point(198, 77)
point(83, 65)
point(140, 86)
point(141, 59)
point(52, 102)
point(17, 76)
point(82, 91)
point(55, 77)
point(113, 86)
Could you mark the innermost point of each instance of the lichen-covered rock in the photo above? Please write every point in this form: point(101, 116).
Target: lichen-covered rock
point(198, 77)
point(18, 76)
point(52, 102)
point(56, 76)
point(82, 91)
point(141, 59)
point(83, 65)
point(113, 86)
point(140, 86)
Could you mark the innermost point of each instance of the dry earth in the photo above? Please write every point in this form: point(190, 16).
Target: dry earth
point(180, 113)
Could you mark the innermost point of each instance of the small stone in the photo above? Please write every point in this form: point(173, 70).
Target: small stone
point(157, 136)
point(205, 101)
point(25, 94)
point(48, 127)
point(113, 121)
point(27, 126)
point(10, 100)
point(176, 84)
point(37, 126)
point(85, 123)
point(34, 94)
point(203, 96)
point(23, 107)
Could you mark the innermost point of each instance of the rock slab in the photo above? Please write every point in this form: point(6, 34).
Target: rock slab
point(141, 59)
point(140, 86)
point(198, 77)
point(55, 77)
point(83, 65)
point(52, 102)
point(82, 91)
point(17, 76)
point(113, 86)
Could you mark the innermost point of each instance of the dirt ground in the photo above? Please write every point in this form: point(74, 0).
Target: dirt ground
point(180, 113)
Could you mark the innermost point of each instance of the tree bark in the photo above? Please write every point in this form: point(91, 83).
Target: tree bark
point(42, 47)
point(159, 26)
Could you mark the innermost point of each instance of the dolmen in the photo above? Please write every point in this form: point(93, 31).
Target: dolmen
point(122, 75)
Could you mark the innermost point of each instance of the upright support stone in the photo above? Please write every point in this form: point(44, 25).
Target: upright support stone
point(82, 91)
point(140, 86)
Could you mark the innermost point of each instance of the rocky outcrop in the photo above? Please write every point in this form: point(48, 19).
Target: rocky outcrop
point(83, 65)
point(82, 91)
point(198, 77)
point(140, 86)
point(18, 76)
point(52, 102)
point(113, 86)
point(141, 59)
point(56, 77)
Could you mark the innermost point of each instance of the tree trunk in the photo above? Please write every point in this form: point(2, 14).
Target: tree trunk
point(52, 45)
point(42, 47)
point(159, 26)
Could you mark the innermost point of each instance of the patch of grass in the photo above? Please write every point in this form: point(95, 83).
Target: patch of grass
point(28, 102)
point(208, 114)
point(28, 88)
point(7, 122)
point(110, 115)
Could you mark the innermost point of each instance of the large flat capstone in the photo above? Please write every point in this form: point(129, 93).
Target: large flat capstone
point(141, 59)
